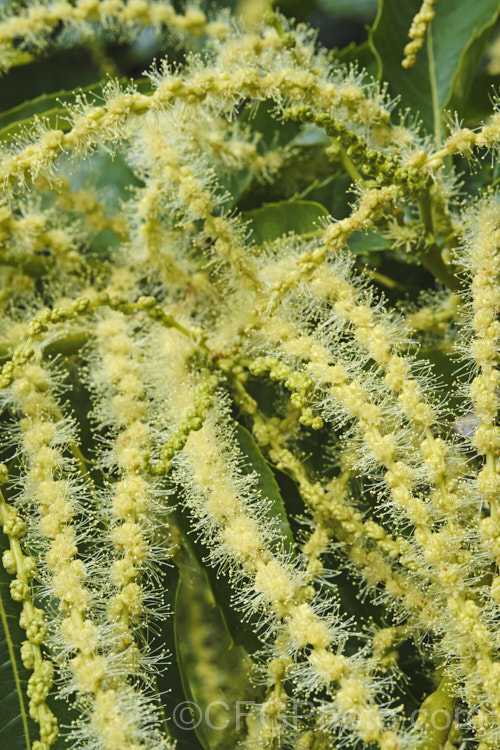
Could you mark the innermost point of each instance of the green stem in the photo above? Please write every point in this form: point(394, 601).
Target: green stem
point(431, 258)
point(436, 716)
point(12, 656)
point(351, 168)
point(434, 92)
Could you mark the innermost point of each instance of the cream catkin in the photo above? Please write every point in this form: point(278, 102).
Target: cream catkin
point(115, 717)
point(131, 510)
point(199, 382)
point(231, 517)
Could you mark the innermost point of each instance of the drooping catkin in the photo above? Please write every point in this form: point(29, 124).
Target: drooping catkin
point(115, 714)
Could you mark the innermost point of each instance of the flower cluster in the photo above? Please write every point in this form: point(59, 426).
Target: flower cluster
point(188, 391)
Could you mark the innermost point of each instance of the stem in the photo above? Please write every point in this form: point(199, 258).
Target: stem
point(351, 168)
point(382, 279)
point(10, 647)
point(434, 92)
point(431, 258)
point(436, 715)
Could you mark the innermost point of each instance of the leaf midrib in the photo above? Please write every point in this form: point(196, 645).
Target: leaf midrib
point(436, 109)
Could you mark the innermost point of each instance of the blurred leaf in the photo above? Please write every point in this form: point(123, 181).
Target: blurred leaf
point(360, 55)
point(170, 684)
point(111, 174)
point(364, 10)
point(276, 219)
point(272, 132)
point(25, 115)
point(445, 66)
point(311, 136)
point(333, 193)
point(451, 377)
point(479, 103)
point(234, 183)
point(362, 243)
point(17, 730)
point(181, 724)
point(214, 670)
point(66, 70)
point(19, 57)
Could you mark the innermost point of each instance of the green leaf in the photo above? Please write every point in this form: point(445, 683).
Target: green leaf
point(19, 57)
point(182, 724)
point(233, 184)
point(213, 669)
point(242, 632)
point(311, 136)
point(361, 243)
point(262, 119)
point(450, 377)
point(334, 193)
point(62, 70)
point(478, 105)
point(24, 115)
point(276, 219)
point(50, 109)
point(17, 730)
point(171, 684)
point(445, 66)
point(109, 173)
point(360, 55)
point(266, 484)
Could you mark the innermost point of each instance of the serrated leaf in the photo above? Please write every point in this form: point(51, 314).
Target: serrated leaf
point(17, 729)
point(274, 220)
point(447, 63)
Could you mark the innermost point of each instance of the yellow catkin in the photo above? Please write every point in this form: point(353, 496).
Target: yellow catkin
point(369, 547)
point(33, 621)
point(169, 170)
point(229, 80)
point(334, 239)
point(473, 637)
point(223, 506)
point(274, 583)
point(35, 23)
point(417, 32)
point(114, 721)
point(482, 260)
point(116, 377)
